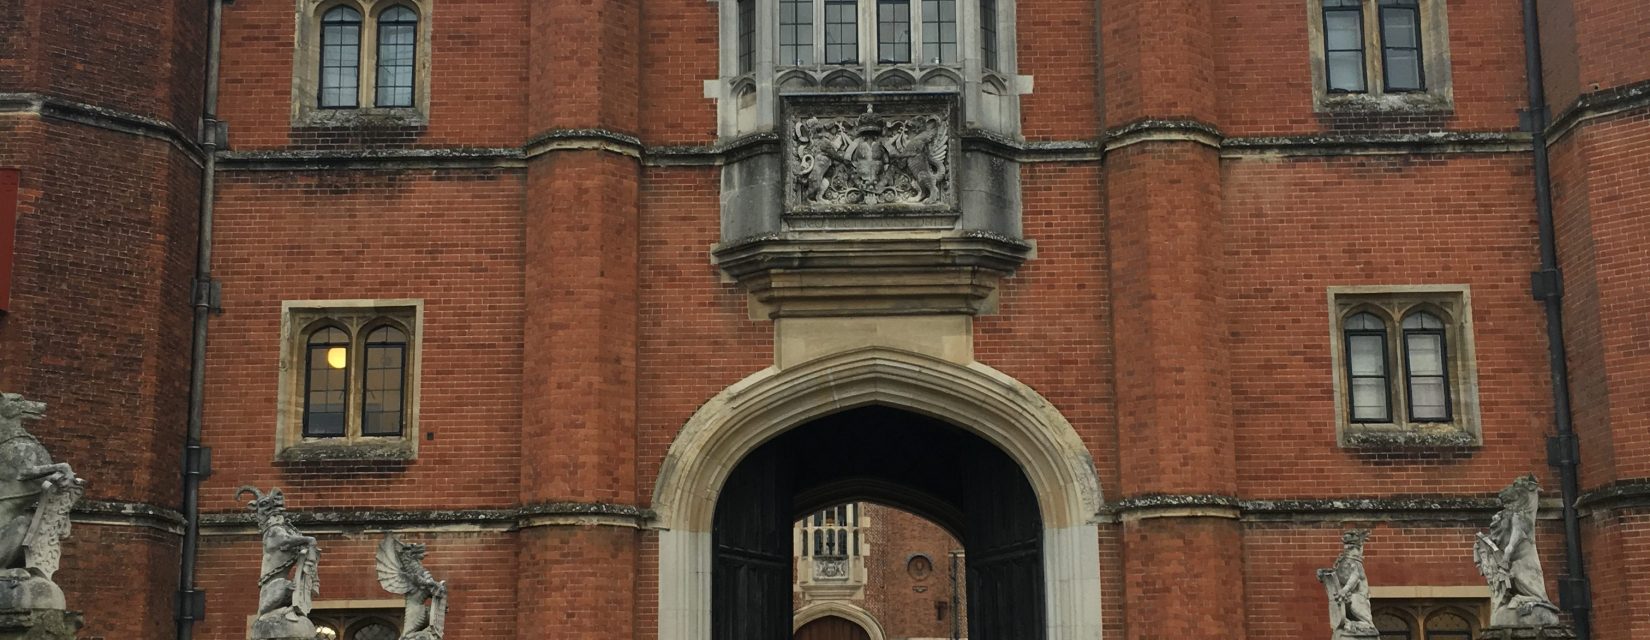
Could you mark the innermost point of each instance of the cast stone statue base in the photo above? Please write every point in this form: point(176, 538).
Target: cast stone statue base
point(39, 624)
point(283, 624)
point(1526, 633)
point(22, 590)
point(1356, 634)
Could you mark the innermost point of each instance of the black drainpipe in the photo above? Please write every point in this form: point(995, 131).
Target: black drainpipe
point(197, 459)
point(1547, 285)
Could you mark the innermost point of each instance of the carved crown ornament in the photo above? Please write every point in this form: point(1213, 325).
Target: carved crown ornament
point(869, 158)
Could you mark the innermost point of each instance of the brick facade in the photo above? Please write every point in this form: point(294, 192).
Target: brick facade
point(555, 216)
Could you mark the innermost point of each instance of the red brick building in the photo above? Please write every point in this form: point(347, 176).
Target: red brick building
point(1144, 300)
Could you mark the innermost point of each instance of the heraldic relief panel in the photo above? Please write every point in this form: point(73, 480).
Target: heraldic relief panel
point(873, 156)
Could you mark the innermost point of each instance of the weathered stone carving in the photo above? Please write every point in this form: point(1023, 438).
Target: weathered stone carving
point(831, 568)
point(1508, 559)
point(1348, 589)
point(36, 496)
point(288, 582)
point(870, 162)
point(401, 571)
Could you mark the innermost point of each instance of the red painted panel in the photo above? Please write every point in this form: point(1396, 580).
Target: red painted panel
point(8, 233)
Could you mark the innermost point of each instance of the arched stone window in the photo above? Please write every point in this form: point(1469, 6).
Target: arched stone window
point(800, 46)
point(340, 58)
point(397, 53)
point(1426, 368)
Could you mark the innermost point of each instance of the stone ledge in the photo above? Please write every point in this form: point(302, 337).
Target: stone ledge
point(1526, 633)
point(320, 451)
point(872, 273)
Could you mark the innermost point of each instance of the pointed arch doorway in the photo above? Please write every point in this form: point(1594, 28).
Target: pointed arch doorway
point(1010, 477)
point(894, 457)
point(831, 628)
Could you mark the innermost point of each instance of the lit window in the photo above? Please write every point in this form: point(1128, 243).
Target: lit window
point(352, 379)
point(340, 58)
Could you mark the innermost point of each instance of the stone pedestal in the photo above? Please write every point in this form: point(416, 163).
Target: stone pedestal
point(1526, 633)
point(280, 626)
point(39, 624)
point(1356, 635)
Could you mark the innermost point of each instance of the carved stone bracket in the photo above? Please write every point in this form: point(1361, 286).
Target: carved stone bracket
point(874, 274)
point(867, 155)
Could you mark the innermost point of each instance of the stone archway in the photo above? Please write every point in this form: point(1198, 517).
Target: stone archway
point(860, 617)
point(972, 396)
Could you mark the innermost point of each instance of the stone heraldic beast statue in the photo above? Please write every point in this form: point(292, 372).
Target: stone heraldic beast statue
point(1348, 589)
point(287, 583)
point(401, 571)
point(36, 496)
point(1509, 561)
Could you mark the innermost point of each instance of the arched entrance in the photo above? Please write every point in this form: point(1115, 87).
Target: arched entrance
point(1026, 433)
point(831, 628)
point(896, 457)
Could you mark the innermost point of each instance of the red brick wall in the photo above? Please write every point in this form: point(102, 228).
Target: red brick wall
point(892, 593)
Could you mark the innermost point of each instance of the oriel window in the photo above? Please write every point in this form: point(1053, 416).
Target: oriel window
point(747, 36)
point(988, 33)
point(796, 32)
point(939, 31)
point(841, 31)
point(894, 31)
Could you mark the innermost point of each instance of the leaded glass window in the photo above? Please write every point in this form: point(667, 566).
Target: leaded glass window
point(894, 31)
point(1426, 361)
point(1393, 627)
point(939, 31)
point(340, 58)
point(1343, 41)
point(1366, 363)
point(1446, 625)
point(397, 46)
point(386, 372)
point(1401, 45)
point(326, 383)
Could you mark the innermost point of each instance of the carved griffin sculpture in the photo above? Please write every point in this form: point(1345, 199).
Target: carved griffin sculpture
point(869, 162)
point(401, 571)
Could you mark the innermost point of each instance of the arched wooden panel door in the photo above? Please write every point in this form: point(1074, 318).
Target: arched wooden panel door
point(831, 628)
point(751, 572)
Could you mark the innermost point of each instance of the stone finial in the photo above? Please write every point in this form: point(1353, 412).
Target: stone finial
point(401, 571)
point(288, 582)
point(1507, 557)
point(1348, 590)
point(36, 496)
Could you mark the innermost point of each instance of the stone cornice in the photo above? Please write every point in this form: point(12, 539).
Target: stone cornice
point(1428, 509)
point(102, 118)
point(1450, 142)
point(373, 159)
point(526, 517)
point(1168, 130)
point(127, 514)
point(1598, 104)
point(1626, 495)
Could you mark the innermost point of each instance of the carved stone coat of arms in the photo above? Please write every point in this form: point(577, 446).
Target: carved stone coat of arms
point(869, 162)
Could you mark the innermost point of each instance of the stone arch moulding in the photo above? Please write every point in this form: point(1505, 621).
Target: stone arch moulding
point(972, 396)
point(860, 617)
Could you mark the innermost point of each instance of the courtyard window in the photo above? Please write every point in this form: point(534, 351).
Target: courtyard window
point(359, 57)
point(1380, 53)
point(351, 378)
point(1404, 372)
point(1444, 619)
point(340, 58)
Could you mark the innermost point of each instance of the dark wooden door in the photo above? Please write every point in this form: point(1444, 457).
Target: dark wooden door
point(831, 628)
point(751, 575)
point(1004, 544)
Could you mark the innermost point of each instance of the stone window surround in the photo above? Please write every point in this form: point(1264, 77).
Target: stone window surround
point(306, 66)
point(1439, 94)
point(1453, 304)
point(748, 102)
point(298, 318)
point(1416, 605)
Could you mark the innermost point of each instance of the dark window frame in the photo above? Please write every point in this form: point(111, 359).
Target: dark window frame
point(310, 348)
point(988, 35)
point(1414, 8)
point(796, 37)
point(1356, 9)
point(1347, 334)
point(328, 21)
point(945, 33)
point(367, 347)
point(851, 45)
point(747, 36)
point(1444, 366)
point(412, 64)
point(888, 24)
